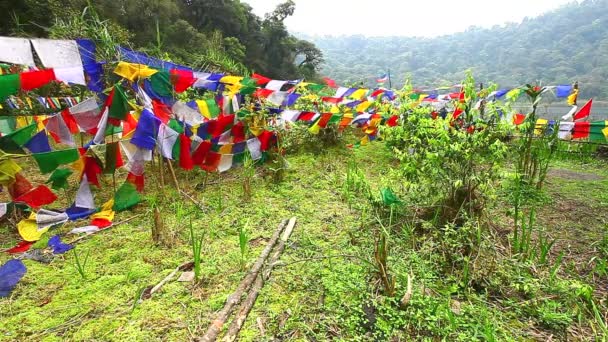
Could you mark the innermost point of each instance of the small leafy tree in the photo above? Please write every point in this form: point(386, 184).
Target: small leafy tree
point(452, 162)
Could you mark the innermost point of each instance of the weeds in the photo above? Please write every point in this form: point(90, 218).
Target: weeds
point(243, 244)
point(196, 242)
point(81, 265)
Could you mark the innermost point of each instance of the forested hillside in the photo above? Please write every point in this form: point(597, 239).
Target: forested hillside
point(562, 46)
point(208, 34)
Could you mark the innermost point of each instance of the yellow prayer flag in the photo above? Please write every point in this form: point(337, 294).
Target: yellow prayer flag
point(203, 108)
point(133, 71)
point(363, 106)
point(28, 229)
point(365, 140)
point(315, 129)
point(541, 124)
point(8, 170)
point(106, 211)
point(231, 80)
point(359, 94)
point(225, 149)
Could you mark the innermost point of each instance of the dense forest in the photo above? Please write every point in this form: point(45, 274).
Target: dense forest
point(208, 34)
point(568, 44)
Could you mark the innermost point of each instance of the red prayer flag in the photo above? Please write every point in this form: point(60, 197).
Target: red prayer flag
point(263, 92)
point(211, 162)
point(136, 180)
point(518, 119)
point(238, 132)
point(585, 111)
point(199, 156)
point(37, 197)
point(70, 121)
point(581, 130)
point(265, 139)
point(330, 83)
point(185, 160)
point(332, 99)
point(457, 113)
point(161, 111)
point(182, 80)
point(324, 120)
point(19, 187)
point(392, 121)
point(101, 223)
point(260, 80)
point(35, 79)
point(22, 246)
point(92, 169)
point(306, 116)
point(377, 92)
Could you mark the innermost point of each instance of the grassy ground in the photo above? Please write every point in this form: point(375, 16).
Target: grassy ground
point(327, 287)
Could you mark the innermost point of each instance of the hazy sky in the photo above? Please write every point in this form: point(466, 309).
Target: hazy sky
point(403, 17)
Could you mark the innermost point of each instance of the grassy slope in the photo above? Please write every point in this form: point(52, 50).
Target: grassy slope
point(310, 297)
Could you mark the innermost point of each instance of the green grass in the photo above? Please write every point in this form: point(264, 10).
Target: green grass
point(327, 287)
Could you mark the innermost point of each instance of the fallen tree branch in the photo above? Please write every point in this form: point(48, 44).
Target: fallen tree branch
point(235, 297)
point(241, 317)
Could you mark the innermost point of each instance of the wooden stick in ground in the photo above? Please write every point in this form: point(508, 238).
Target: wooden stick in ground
point(235, 297)
point(241, 316)
point(173, 174)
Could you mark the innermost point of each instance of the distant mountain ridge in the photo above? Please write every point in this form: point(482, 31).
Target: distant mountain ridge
point(562, 46)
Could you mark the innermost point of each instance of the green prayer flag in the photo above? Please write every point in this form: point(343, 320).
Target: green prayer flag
point(596, 131)
point(49, 161)
point(9, 85)
point(336, 118)
point(249, 82)
point(111, 129)
point(247, 90)
point(111, 157)
point(389, 197)
point(23, 135)
point(214, 110)
point(59, 178)
point(7, 124)
point(161, 84)
point(120, 105)
point(315, 88)
point(126, 197)
point(238, 159)
point(9, 146)
point(176, 126)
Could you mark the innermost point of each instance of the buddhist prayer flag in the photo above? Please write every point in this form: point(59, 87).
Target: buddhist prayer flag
point(585, 111)
point(126, 197)
point(49, 161)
